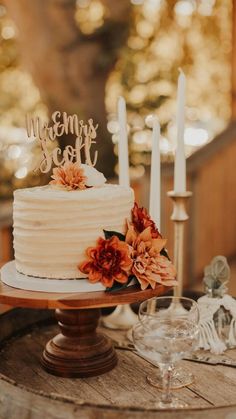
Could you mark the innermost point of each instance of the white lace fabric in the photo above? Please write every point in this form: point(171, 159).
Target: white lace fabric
point(209, 338)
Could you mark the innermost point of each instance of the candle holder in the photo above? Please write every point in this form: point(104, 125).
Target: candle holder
point(179, 216)
point(122, 317)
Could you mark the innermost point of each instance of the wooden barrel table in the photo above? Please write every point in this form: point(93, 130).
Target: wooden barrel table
point(27, 391)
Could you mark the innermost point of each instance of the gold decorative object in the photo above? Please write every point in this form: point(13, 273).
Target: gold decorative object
point(179, 216)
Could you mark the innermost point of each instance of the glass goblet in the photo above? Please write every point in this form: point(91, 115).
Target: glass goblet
point(183, 307)
point(166, 340)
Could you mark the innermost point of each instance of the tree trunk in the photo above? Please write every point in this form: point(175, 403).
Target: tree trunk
point(69, 68)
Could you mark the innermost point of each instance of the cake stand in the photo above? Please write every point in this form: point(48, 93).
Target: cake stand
point(78, 350)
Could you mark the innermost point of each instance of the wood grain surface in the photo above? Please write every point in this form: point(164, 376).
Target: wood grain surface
point(28, 391)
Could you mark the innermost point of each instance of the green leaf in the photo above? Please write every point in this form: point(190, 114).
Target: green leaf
point(117, 286)
point(133, 278)
point(109, 234)
point(164, 253)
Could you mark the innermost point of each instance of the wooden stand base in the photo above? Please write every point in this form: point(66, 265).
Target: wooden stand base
point(78, 351)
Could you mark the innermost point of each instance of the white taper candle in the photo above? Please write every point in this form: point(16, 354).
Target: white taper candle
point(123, 151)
point(180, 161)
point(155, 183)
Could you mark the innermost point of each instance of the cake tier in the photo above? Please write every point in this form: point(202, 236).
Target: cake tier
point(54, 227)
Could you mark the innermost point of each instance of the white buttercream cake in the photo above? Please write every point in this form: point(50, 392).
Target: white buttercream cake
point(53, 227)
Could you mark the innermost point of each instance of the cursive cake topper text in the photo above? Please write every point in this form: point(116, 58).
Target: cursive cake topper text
point(62, 124)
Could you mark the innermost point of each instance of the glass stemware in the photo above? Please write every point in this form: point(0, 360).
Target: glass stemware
point(166, 333)
point(180, 377)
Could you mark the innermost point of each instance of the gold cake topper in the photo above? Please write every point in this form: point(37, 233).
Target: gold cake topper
point(62, 124)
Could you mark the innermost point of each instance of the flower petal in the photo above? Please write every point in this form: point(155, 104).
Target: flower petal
point(146, 234)
point(122, 277)
point(107, 282)
point(158, 244)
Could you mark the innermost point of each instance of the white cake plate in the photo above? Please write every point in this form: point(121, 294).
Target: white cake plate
point(11, 277)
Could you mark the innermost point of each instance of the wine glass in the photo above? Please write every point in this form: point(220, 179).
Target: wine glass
point(188, 308)
point(183, 306)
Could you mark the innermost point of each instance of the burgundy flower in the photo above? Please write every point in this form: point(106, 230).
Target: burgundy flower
point(108, 262)
point(141, 220)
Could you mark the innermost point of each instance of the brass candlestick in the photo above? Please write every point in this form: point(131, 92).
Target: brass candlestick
point(179, 216)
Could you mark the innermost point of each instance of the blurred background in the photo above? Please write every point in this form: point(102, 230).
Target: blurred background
point(79, 56)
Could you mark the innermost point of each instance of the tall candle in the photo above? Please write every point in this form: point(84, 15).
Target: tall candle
point(155, 184)
point(180, 162)
point(123, 152)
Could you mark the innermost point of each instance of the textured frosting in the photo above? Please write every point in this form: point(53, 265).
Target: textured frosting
point(53, 227)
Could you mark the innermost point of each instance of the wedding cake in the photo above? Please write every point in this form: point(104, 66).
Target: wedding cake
point(53, 227)
point(78, 226)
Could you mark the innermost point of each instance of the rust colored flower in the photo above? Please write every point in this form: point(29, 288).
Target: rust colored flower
point(149, 266)
point(69, 175)
point(108, 262)
point(141, 220)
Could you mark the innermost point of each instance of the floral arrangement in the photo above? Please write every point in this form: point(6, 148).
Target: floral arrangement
point(73, 176)
point(138, 256)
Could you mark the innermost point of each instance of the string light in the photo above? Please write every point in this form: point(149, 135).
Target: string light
point(21, 173)
point(113, 126)
point(8, 32)
point(149, 120)
point(14, 152)
point(146, 75)
point(196, 137)
point(137, 2)
point(185, 7)
point(193, 34)
point(165, 146)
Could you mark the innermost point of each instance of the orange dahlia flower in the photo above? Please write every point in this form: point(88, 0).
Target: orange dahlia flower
point(108, 262)
point(141, 220)
point(149, 266)
point(70, 175)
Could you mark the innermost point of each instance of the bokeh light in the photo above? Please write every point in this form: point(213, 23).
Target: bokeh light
point(165, 35)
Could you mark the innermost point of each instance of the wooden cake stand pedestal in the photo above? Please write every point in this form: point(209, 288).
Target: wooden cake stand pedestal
point(78, 350)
